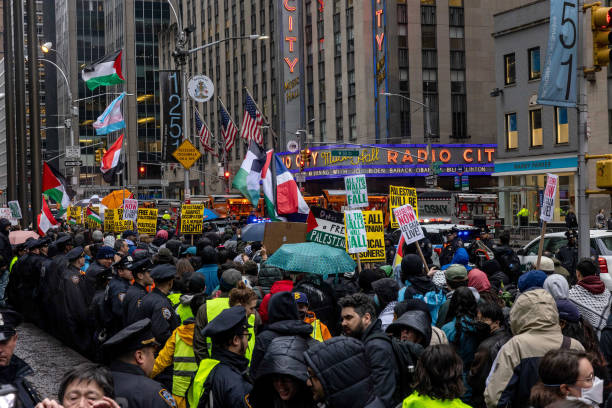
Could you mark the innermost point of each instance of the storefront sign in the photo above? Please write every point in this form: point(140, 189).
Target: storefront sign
point(356, 236)
point(399, 196)
point(548, 203)
point(536, 166)
point(395, 160)
point(409, 224)
point(192, 216)
point(130, 209)
point(356, 191)
point(147, 221)
point(326, 227)
point(375, 231)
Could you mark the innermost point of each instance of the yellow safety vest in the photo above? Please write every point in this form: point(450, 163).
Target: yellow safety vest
point(251, 346)
point(213, 308)
point(196, 389)
point(12, 263)
point(174, 298)
point(184, 312)
point(185, 367)
point(316, 334)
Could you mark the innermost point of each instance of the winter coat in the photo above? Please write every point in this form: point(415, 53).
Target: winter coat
point(381, 360)
point(416, 400)
point(605, 342)
point(534, 320)
point(166, 355)
point(90, 279)
point(279, 286)
point(267, 276)
point(341, 366)
point(15, 373)
point(210, 274)
point(416, 285)
point(285, 356)
point(6, 251)
point(568, 256)
point(592, 300)
point(284, 321)
point(230, 384)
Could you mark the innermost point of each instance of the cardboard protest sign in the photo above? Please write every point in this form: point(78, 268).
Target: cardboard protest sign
point(75, 214)
point(130, 209)
point(548, 203)
point(325, 227)
point(375, 231)
point(399, 196)
point(147, 221)
point(356, 191)
point(277, 234)
point(356, 236)
point(15, 209)
point(192, 216)
point(408, 223)
point(5, 212)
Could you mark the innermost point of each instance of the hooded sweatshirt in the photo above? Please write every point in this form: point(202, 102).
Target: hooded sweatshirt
point(534, 321)
point(478, 279)
point(278, 286)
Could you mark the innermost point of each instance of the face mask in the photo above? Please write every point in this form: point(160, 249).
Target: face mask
point(595, 393)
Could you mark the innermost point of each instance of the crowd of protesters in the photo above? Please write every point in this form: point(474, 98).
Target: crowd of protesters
point(168, 323)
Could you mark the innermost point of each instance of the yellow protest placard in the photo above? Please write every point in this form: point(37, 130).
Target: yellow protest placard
point(74, 214)
point(375, 232)
point(399, 196)
point(91, 224)
point(109, 218)
point(192, 216)
point(147, 221)
point(119, 223)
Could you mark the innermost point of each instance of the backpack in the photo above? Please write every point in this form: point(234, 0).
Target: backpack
point(433, 299)
point(510, 263)
point(406, 355)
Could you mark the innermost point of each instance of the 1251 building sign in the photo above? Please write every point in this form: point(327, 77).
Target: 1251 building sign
point(172, 112)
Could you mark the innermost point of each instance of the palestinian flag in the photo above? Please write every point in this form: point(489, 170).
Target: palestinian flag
point(248, 177)
point(111, 161)
point(54, 186)
point(93, 215)
point(104, 72)
point(46, 220)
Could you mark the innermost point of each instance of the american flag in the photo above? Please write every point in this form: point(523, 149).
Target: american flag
point(250, 129)
point(228, 129)
point(203, 132)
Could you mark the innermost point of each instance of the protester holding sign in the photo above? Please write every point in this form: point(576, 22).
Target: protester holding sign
point(356, 191)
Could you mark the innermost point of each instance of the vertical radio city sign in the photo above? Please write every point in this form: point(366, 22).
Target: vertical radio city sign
point(379, 42)
point(291, 108)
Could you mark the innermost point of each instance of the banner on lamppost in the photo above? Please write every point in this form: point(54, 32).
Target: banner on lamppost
point(172, 112)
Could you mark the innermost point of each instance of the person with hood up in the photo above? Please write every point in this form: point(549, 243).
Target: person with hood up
point(284, 320)
point(414, 278)
point(460, 257)
point(194, 285)
point(437, 335)
point(534, 321)
point(413, 326)
point(284, 285)
point(478, 280)
point(320, 332)
point(557, 286)
point(590, 294)
point(533, 279)
point(339, 374)
point(494, 272)
point(385, 299)
point(282, 375)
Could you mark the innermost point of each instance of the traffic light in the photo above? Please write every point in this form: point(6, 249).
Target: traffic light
point(601, 23)
point(604, 174)
point(307, 153)
point(98, 155)
point(226, 175)
point(142, 170)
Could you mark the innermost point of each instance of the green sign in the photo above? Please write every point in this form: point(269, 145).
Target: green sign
point(345, 153)
point(356, 191)
point(356, 235)
point(435, 167)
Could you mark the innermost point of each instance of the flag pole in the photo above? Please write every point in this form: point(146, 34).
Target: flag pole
point(274, 136)
point(225, 161)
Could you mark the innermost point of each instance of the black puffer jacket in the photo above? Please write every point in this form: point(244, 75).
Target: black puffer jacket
point(285, 356)
point(340, 365)
point(283, 321)
point(381, 360)
point(267, 276)
point(6, 251)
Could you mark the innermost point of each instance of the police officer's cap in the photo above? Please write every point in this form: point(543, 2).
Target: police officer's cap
point(105, 252)
point(228, 323)
point(9, 320)
point(136, 336)
point(124, 263)
point(63, 240)
point(33, 243)
point(140, 265)
point(163, 272)
point(74, 254)
point(44, 241)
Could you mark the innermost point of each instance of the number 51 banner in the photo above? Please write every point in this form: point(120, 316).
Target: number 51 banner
point(558, 85)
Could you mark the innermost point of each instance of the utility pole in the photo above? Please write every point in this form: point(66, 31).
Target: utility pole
point(9, 103)
point(35, 140)
point(20, 109)
point(583, 175)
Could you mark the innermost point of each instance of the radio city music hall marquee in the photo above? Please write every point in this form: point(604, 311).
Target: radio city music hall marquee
point(396, 160)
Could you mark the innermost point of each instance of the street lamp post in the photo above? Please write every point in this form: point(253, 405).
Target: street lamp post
point(180, 55)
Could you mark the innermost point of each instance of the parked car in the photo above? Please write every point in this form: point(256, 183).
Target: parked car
point(601, 244)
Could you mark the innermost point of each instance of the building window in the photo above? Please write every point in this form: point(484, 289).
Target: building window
point(509, 69)
point(322, 131)
point(352, 127)
point(535, 127)
point(511, 131)
point(561, 125)
point(459, 116)
point(534, 63)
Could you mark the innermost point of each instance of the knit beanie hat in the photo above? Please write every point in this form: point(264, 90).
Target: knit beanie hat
point(557, 286)
point(531, 279)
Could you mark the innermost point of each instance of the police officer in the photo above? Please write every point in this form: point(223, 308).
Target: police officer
point(485, 237)
point(450, 247)
point(225, 373)
point(117, 289)
point(104, 260)
point(24, 290)
point(133, 356)
point(13, 370)
point(141, 271)
point(156, 306)
point(568, 255)
point(50, 276)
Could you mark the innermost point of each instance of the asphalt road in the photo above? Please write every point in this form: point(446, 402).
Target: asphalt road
point(47, 356)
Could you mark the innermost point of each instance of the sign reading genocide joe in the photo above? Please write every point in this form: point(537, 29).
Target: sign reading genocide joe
point(400, 160)
point(192, 216)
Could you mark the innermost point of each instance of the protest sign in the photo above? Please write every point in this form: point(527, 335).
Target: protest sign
point(192, 216)
point(15, 209)
point(130, 209)
point(91, 224)
point(75, 214)
point(147, 221)
point(547, 209)
point(109, 220)
point(325, 227)
point(399, 196)
point(408, 223)
point(375, 231)
point(114, 222)
point(356, 236)
point(356, 191)
point(5, 212)
point(276, 234)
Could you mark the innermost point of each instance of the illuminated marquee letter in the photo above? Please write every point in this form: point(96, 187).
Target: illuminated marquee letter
point(378, 15)
point(379, 40)
point(291, 40)
point(287, 6)
point(291, 64)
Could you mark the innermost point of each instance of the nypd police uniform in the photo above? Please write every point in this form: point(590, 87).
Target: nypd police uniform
point(156, 306)
point(116, 291)
point(135, 293)
point(130, 380)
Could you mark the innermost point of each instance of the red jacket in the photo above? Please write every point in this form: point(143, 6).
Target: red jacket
point(278, 286)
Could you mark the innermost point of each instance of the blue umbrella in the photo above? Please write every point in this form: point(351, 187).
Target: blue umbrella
point(311, 257)
point(210, 215)
point(253, 232)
